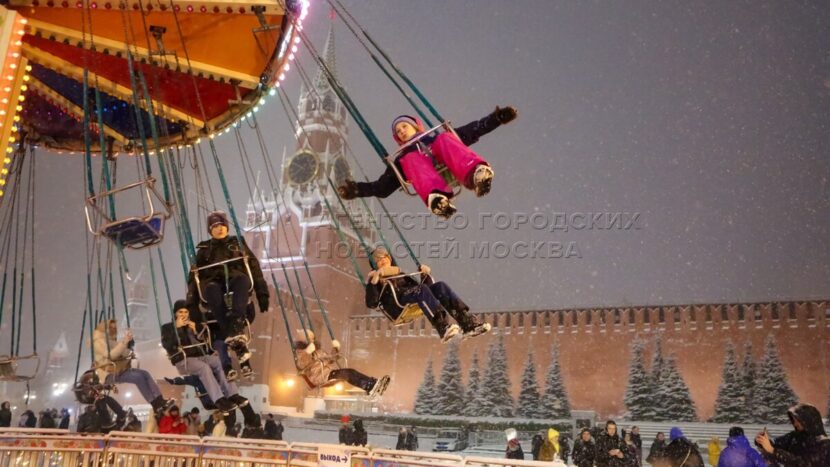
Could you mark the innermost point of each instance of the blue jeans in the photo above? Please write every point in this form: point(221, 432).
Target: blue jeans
point(143, 381)
point(435, 301)
point(214, 293)
point(210, 373)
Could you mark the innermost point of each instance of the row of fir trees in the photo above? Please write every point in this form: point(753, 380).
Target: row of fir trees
point(487, 392)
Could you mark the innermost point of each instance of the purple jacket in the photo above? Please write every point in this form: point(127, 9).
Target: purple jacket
point(738, 453)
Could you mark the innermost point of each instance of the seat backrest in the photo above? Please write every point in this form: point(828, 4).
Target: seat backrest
point(7, 369)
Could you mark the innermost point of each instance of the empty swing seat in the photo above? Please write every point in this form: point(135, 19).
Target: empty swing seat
point(136, 232)
point(8, 368)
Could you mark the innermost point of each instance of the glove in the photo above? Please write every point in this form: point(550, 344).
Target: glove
point(335, 344)
point(425, 269)
point(348, 190)
point(263, 304)
point(374, 277)
point(505, 114)
point(310, 349)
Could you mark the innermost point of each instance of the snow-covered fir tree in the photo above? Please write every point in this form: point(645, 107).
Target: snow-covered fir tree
point(639, 391)
point(748, 379)
point(656, 375)
point(679, 406)
point(495, 387)
point(529, 404)
point(730, 405)
point(555, 402)
point(473, 388)
point(449, 395)
point(425, 398)
point(773, 394)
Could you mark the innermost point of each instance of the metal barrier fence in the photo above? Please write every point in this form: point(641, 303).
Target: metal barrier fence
point(60, 448)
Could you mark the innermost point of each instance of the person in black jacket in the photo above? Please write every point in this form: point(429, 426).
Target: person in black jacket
point(359, 435)
point(5, 414)
point(436, 299)
point(419, 154)
point(806, 446)
point(47, 420)
point(346, 434)
point(584, 450)
point(89, 422)
point(611, 449)
point(64, 423)
point(225, 287)
point(514, 450)
point(657, 447)
point(536, 445)
point(679, 452)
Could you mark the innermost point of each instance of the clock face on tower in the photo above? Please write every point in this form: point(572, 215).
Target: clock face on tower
point(303, 167)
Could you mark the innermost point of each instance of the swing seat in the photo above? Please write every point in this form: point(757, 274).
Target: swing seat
point(136, 232)
point(442, 169)
point(8, 368)
point(410, 313)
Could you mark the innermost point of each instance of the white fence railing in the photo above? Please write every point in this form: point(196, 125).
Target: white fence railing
point(60, 448)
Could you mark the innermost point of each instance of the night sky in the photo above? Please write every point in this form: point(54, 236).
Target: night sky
point(708, 119)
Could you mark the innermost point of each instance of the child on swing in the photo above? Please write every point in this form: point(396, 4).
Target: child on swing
point(320, 368)
point(417, 162)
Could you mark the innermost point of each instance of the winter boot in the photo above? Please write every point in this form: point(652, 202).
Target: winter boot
point(483, 179)
point(225, 406)
point(451, 331)
point(241, 350)
point(239, 400)
point(478, 330)
point(247, 371)
point(440, 205)
point(237, 332)
point(250, 417)
point(231, 375)
point(161, 405)
point(379, 387)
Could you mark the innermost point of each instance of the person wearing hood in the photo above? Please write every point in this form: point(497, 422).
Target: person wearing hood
point(514, 450)
point(679, 452)
point(5, 414)
point(359, 435)
point(806, 446)
point(714, 450)
point(584, 449)
point(225, 288)
point(536, 445)
point(551, 449)
point(738, 452)
point(419, 153)
point(47, 420)
point(436, 299)
point(632, 460)
point(319, 368)
point(611, 449)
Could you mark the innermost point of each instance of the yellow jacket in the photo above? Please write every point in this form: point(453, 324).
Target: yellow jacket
point(714, 451)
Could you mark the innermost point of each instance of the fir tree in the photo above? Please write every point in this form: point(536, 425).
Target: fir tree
point(679, 406)
point(555, 403)
point(495, 388)
point(425, 397)
point(748, 380)
point(730, 404)
point(449, 396)
point(639, 392)
point(656, 375)
point(529, 404)
point(773, 394)
point(473, 388)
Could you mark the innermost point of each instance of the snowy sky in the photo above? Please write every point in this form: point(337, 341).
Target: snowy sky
point(708, 119)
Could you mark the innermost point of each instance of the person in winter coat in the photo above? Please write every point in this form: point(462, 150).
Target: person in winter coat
point(89, 422)
point(403, 436)
point(27, 420)
point(132, 423)
point(738, 452)
point(213, 285)
point(64, 423)
point(217, 427)
point(186, 343)
point(631, 456)
point(319, 368)
point(611, 449)
point(657, 448)
point(679, 452)
point(359, 435)
point(112, 357)
point(273, 428)
point(806, 446)
point(638, 441)
point(346, 433)
point(5, 414)
point(584, 450)
point(536, 445)
point(419, 154)
point(713, 449)
point(551, 449)
point(514, 450)
point(46, 420)
point(436, 299)
point(172, 423)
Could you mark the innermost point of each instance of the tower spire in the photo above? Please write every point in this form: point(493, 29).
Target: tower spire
point(328, 57)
